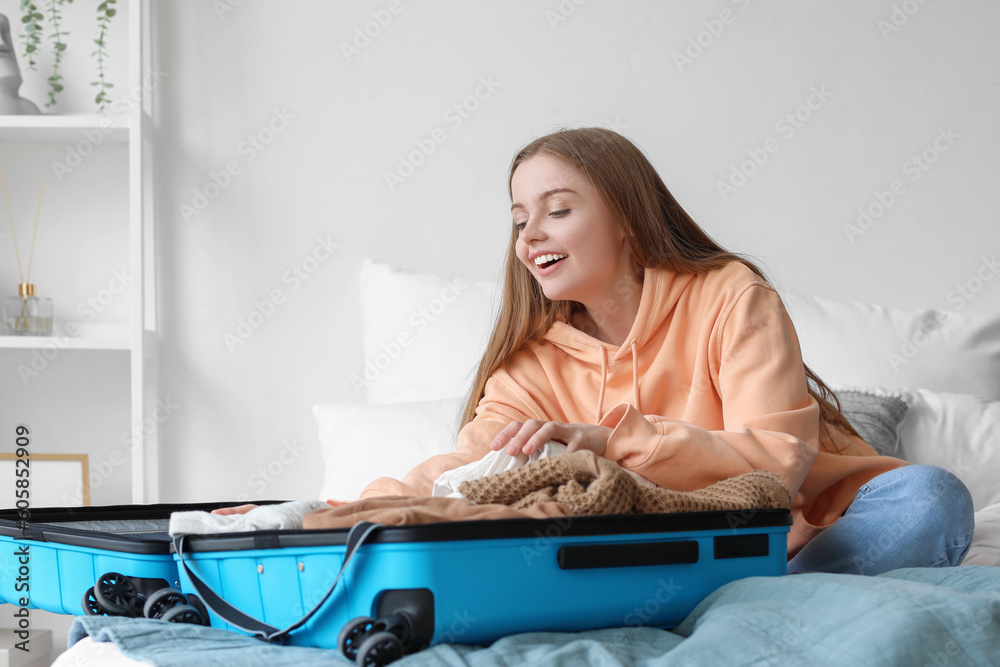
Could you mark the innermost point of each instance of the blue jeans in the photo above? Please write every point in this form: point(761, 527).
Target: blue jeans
point(913, 516)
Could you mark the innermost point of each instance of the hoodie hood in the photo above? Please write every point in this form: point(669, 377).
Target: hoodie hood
point(661, 289)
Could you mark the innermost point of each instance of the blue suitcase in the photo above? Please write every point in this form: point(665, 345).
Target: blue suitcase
point(379, 592)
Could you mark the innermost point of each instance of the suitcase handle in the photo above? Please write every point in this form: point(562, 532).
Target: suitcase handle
point(586, 556)
point(230, 614)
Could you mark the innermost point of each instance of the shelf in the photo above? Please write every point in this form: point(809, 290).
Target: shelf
point(131, 127)
point(87, 337)
point(63, 129)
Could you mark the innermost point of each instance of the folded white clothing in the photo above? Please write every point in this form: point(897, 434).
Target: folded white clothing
point(280, 516)
point(446, 486)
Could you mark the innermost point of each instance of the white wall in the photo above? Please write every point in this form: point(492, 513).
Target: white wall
point(342, 123)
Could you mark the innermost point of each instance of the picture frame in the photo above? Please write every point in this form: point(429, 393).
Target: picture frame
point(55, 480)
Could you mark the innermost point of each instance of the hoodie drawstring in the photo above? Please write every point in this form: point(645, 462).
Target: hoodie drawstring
point(635, 376)
point(604, 379)
point(604, 382)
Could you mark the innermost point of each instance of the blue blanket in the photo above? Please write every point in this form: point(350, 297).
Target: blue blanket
point(913, 616)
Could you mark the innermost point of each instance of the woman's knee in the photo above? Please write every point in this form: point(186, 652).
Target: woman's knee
point(953, 504)
point(939, 485)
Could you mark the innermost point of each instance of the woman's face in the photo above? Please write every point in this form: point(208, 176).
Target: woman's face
point(568, 238)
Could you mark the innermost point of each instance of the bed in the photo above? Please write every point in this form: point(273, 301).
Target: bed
point(924, 386)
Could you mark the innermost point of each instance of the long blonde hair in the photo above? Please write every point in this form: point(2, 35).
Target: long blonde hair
point(659, 233)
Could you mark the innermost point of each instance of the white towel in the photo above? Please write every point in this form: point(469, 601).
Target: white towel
point(446, 486)
point(281, 516)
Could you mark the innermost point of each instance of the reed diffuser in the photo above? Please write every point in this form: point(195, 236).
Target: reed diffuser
point(26, 314)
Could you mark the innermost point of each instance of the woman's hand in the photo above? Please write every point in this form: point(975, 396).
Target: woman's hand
point(527, 437)
point(239, 509)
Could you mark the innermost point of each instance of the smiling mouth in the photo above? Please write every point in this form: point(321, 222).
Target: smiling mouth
point(549, 260)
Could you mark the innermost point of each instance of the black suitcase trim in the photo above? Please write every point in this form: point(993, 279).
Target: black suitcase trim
point(159, 543)
point(492, 529)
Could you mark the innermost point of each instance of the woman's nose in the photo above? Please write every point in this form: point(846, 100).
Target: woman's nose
point(532, 231)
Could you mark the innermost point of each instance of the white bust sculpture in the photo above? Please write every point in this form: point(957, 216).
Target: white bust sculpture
point(10, 76)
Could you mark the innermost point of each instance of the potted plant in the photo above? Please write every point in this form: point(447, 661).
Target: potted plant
point(34, 16)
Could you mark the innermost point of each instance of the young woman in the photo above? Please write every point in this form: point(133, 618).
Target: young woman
point(626, 330)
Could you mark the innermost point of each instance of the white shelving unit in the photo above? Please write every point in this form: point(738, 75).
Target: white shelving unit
point(139, 337)
point(61, 129)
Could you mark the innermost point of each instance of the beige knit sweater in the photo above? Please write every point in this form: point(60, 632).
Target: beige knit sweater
point(577, 483)
point(589, 484)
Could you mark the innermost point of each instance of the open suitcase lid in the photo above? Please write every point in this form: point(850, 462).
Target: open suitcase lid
point(135, 529)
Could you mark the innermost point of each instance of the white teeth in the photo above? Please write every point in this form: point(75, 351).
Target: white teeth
point(542, 259)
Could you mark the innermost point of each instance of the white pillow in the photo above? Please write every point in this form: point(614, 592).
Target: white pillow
point(361, 443)
point(424, 335)
point(865, 345)
point(985, 549)
point(957, 432)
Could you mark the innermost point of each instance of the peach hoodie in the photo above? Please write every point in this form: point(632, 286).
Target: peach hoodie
point(708, 384)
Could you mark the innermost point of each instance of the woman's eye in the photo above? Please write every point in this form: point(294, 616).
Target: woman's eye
point(555, 214)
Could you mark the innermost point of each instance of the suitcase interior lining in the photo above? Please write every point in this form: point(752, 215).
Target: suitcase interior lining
point(127, 526)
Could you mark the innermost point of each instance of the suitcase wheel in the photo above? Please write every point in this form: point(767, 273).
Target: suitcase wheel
point(183, 613)
point(116, 594)
point(162, 601)
point(353, 634)
point(196, 602)
point(91, 607)
point(379, 649)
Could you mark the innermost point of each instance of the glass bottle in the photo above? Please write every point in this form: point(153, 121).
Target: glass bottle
point(27, 314)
